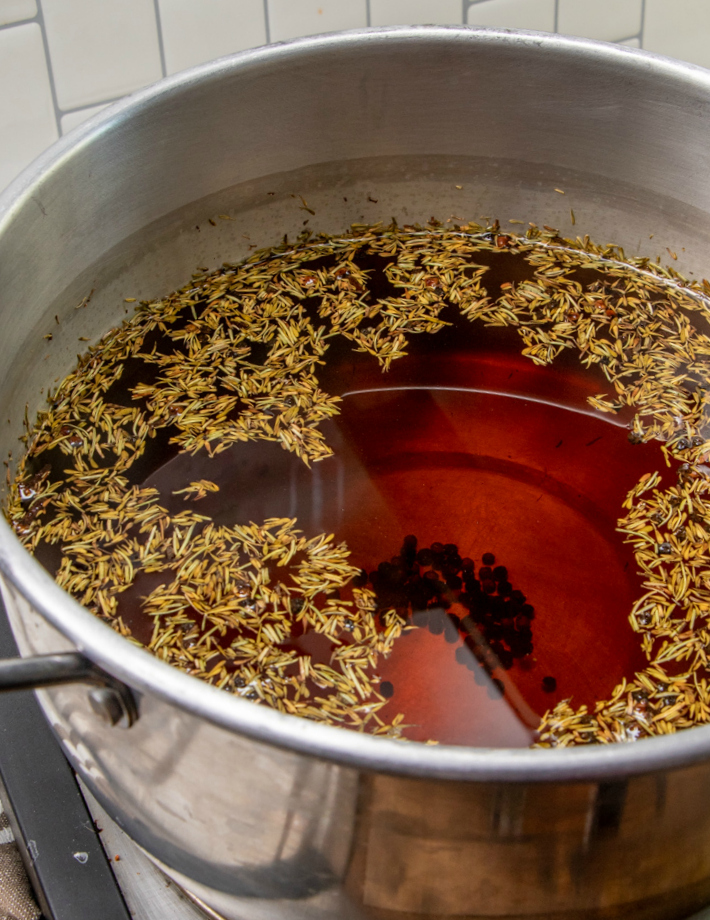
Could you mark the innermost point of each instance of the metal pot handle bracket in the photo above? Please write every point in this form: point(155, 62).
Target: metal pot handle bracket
point(110, 699)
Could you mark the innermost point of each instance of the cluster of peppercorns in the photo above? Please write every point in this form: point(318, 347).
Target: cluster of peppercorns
point(423, 585)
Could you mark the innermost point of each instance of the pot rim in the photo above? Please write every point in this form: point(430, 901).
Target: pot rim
point(148, 674)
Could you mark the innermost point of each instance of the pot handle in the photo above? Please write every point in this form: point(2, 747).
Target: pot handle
point(110, 699)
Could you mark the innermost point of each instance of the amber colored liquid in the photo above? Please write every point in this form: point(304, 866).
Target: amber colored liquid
point(518, 467)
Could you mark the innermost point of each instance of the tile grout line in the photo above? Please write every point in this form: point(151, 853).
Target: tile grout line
point(161, 45)
point(267, 26)
point(18, 22)
point(50, 72)
point(643, 22)
point(557, 16)
point(368, 14)
point(626, 38)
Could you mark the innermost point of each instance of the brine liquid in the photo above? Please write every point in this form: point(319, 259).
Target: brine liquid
point(477, 492)
point(538, 483)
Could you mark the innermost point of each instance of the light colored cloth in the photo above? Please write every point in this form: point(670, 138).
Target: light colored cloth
point(16, 899)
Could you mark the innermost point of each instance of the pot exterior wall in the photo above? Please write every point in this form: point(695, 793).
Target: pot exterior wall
point(256, 831)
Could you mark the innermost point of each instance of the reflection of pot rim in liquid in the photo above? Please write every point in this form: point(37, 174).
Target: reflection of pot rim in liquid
point(131, 664)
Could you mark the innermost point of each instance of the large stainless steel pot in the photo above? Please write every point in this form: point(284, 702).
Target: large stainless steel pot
point(264, 815)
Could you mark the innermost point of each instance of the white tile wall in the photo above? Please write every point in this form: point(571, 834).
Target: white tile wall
point(608, 20)
point(678, 28)
point(101, 49)
point(415, 12)
point(15, 10)
point(195, 31)
point(26, 109)
point(293, 18)
point(514, 14)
